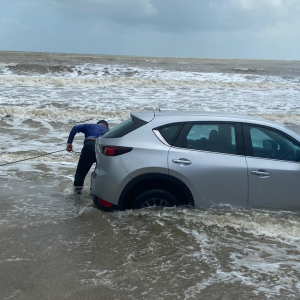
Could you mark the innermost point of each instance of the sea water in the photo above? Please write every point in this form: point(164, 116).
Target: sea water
point(55, 245)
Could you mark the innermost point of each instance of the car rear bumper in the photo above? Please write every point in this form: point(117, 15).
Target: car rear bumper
point(105, 206)
point(107, 184)
point(108, 178)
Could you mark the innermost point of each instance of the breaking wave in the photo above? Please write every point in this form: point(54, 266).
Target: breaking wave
point(280, 118)
point(249, 70)
point(22, 69)
point(145, 82)
point(59, 115)
point(283, 226)
point(28, 157)
point(256, 222)
point(76, 116)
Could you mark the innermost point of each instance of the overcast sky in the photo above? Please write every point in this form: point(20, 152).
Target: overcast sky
point(259, 29)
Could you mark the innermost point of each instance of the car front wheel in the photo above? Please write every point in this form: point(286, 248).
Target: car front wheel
point(154, 197)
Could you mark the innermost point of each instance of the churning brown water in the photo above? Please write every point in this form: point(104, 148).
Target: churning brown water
point(55, 245)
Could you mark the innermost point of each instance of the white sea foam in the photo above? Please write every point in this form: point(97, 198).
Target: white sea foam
point(166, 82)
point(259, 244)
point(264, 225)
point(57, 115)
point(282, 226)
point(27, 158)
point(106, 75)
point(90, 91)
point(94, 70)
point(60, 115)
point(86, 210)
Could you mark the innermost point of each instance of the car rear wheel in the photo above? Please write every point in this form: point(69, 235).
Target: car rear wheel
point(154, 198)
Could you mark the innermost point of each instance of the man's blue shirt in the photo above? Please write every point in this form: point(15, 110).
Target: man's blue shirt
point(91, 131)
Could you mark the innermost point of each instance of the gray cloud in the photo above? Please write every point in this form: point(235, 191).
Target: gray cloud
point(174, 15)
point(121, 11)
point(201, 28)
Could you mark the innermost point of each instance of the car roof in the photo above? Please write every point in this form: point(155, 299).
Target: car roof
point(185, 116)
point(167, 116)
point(206, 113)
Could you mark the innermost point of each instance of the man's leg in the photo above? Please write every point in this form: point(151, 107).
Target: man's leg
point(86, 160)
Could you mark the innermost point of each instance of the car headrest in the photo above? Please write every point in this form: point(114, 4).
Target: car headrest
point(213, 136)
point(269, 144)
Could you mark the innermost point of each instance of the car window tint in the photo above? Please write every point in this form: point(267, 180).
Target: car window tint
point(267, 143)
point(170, 132)
point(212, 137)
point(124, 128)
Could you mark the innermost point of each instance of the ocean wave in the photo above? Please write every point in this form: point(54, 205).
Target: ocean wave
point(88, 70)
point(38, 69)
point(145, 82)
point(257, 222)
point(2, 64)
point(280, 118)
point(248, 70)
point(59, 115)
point(280, 225)
point(12, 158)
point(77, 116)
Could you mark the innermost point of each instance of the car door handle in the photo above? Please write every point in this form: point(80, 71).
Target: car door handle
point(183, 161)
point(261, 173)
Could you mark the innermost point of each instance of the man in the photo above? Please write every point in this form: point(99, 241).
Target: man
point(87, 156)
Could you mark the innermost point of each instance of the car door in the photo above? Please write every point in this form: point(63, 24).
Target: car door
point(273, 168)
point(208, 157)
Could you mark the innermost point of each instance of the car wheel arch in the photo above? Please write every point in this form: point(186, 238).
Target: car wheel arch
point(155, 180)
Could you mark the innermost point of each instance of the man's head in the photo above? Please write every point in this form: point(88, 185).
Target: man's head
point(103, 122)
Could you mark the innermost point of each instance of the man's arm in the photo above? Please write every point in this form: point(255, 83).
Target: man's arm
point(73, 132)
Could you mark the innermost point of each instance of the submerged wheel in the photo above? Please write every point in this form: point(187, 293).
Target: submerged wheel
point(154, 198)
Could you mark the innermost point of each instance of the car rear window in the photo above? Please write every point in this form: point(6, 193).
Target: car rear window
point(170, 132)
point(124, 128)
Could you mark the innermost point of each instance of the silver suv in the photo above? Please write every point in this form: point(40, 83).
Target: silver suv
point(199, 159)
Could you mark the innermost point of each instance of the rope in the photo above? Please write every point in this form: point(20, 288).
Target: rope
point(13, 162)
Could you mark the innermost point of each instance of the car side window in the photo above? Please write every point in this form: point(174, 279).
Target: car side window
point(271, 144)
point(170, 132)
point(212, 137)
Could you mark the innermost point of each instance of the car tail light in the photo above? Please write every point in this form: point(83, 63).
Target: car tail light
point(104, 203)
point(114, 151)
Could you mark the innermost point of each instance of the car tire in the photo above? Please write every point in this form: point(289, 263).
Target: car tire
point(155, 197)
